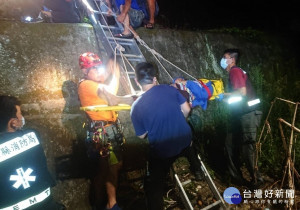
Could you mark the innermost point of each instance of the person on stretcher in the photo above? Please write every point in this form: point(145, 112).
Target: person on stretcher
point(198, 91)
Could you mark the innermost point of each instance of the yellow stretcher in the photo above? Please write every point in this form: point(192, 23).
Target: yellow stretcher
point(99, 108)
point(217, 85)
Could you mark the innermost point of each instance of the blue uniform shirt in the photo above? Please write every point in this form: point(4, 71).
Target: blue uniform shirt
point(158, 112)
point(134, 4)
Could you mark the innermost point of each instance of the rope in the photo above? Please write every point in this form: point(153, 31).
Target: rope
point(118, 46)
point(103, 18)
point(154, 53)
point(113, 14)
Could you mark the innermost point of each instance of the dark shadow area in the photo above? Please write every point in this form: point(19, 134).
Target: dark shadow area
point(70, 94)
point(75, 165)
point(209, 138)
point(131, 195)
point(213, 14)
point(232, 16)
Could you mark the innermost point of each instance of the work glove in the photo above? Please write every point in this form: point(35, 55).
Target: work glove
point(220, 97)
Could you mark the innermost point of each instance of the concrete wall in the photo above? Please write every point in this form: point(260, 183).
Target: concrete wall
point(39, 64)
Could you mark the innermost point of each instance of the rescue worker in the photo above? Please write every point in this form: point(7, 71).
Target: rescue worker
point(245, 120)
point(105, 132)
point(25, 182)
point(159, 115)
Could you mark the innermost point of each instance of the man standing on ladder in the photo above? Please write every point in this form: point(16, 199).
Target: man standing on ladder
point(245, 120)
point(130, 15)
point(105, 133)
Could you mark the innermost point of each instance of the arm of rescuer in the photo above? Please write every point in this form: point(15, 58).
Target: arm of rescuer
point(239, 91)
point(108, 92)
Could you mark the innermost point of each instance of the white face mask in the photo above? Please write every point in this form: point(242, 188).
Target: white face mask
point(23, 121)
point(223, 63)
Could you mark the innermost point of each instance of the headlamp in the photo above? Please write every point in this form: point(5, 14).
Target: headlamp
point(100, 69)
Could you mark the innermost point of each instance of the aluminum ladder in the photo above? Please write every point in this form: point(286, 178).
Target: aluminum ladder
point(186, 201)
point(129, 54)
point(127, 50)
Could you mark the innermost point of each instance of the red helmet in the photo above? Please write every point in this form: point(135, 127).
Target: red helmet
point(88, 60)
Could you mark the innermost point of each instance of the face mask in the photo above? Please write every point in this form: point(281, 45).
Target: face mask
point(23, 121)
point(223, 63)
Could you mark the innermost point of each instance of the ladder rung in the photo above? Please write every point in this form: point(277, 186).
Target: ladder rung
point(122, 43)
point(103, 13)
point(121, 39)
point(186, 182)
point(104, 32)
point(131, 75)
point(109, 27)
point(212, 205)
point(136, 59)
point(131, 56)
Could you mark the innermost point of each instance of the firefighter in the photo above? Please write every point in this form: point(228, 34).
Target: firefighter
point(105, 133)
point(245, 120)
point(25, 182)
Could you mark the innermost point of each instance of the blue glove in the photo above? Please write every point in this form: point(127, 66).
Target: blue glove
point(220, 97)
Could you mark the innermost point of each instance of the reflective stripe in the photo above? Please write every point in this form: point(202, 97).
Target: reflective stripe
point(22, 178)
point(17, 145)
point(234, 99)
point(253, 102)
point(30, 201)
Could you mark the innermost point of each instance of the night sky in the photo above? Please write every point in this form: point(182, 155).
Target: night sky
point(257, 14)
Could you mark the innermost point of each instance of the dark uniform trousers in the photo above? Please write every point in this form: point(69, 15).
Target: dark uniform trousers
point(240, 144)
point(159, 169)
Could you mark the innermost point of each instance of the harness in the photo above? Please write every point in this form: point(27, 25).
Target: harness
point(103, 137)
point(206, 88)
